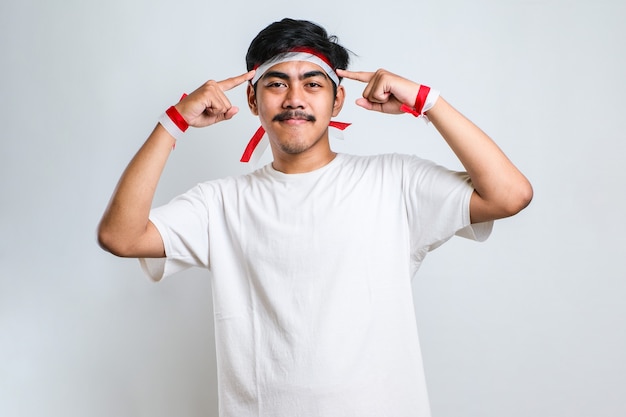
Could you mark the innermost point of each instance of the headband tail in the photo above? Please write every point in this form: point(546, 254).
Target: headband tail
point(256, 139)
point(252, 144)
point(339, 125)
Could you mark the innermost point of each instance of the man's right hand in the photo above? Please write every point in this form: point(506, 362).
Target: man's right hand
point(208, 104)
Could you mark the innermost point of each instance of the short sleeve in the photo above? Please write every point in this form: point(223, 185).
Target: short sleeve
point(438, 205)
point(183, 226)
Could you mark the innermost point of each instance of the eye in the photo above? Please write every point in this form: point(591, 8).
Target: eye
point(275, 84)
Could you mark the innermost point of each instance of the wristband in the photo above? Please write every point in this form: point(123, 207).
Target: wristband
point(177, 118)
point(425, 100)
point(173, 122)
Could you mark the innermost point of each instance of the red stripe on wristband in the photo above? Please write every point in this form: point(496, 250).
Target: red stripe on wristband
point(420, 100)
point(177, 118)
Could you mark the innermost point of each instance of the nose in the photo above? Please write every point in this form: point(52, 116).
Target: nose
point(294, 98)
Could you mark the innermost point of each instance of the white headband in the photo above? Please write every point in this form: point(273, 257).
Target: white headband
point(295, 56)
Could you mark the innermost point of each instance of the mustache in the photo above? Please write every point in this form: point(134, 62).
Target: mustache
point(293, 114)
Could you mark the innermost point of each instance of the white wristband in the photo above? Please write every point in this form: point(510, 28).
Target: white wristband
point(170, 126)
point(431, 99)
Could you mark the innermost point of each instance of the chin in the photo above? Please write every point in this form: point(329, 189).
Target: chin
point(296, 145)
point(295, 148)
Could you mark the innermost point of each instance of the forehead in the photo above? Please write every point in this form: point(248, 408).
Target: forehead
point(295, 68)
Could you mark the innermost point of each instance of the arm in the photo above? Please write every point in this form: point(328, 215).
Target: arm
point(500, 188)
point(125, 229)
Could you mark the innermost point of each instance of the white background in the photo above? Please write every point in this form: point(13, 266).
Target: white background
point(529, 323)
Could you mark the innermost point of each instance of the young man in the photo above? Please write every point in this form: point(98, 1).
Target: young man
point(312, 256)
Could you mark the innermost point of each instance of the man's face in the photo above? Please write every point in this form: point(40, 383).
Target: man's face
point(295, 102)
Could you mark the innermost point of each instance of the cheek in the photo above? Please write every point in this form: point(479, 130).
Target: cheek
point(263, 112)
point(266, 104)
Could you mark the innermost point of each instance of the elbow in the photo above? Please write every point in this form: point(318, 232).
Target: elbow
point(504, 200)
point(520, 197)
point(524, 195)
point(106, 242)
point(111, 242)
point(125, 242)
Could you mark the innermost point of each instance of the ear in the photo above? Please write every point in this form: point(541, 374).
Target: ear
point(339, 100)
point(252, 100)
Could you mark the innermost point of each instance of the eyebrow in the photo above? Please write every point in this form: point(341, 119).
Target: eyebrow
point(284, 76)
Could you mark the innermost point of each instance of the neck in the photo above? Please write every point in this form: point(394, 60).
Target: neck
point(301, 162)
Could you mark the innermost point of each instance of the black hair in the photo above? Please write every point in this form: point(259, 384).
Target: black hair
point(287, 34)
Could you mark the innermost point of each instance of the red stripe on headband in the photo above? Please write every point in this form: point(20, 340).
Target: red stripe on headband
point(314, 52)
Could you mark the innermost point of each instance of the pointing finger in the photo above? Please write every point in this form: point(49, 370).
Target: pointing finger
point(362, 76)
point(233, 82)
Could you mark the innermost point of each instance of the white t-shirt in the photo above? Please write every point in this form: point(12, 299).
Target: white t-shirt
point(312, 273)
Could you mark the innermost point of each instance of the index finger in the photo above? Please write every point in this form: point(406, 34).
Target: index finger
point(230, 83)
point(363, 76)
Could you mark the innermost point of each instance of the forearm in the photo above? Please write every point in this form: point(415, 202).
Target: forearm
point(502, 190)
point(125, 223)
